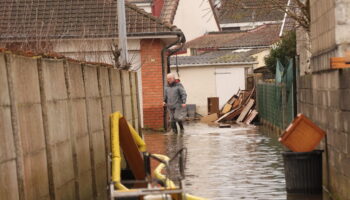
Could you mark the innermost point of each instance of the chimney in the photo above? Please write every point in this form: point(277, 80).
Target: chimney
point(157, 7)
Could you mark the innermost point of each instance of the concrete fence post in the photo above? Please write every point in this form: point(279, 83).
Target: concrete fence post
point(139, 125)
point(46, 130)
point(106, 107)
point(89, 121)
point(72, 135)
point(132, 99)
point(122, 91)
point(116, 90)
point(126, 94)
point(15, 129)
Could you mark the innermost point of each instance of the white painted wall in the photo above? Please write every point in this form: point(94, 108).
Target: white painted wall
point(199, 83)
point(228, 81)
point(203, 82)
point(248, 25)
point(195, 18)
point(100, 51)
point(146, 6)
point(96, 50)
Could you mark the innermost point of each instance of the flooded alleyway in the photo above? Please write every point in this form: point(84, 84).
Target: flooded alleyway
point(227, 163)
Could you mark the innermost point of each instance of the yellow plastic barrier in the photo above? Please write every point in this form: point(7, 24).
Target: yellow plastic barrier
point(116, 158)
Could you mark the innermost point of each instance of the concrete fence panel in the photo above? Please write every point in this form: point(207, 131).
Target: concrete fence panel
point(8, 175)
point(126, 93)
point(116, 90)
point(96, 132)
point(27, 99)
point(105, 93)
point(54, 114)
point(57, 127)
point(79, 130)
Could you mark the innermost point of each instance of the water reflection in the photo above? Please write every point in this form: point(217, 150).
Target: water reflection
point(233, 163)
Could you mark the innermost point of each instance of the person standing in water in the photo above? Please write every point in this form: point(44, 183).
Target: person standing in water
point(175, 99)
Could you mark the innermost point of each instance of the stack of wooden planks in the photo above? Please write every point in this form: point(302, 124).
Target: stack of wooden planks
point(240, 108)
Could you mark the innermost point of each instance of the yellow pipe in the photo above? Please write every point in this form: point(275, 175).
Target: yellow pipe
point(170, 184)
point(115, 148)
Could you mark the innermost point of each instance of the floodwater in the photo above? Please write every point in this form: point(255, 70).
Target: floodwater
point(228, 163)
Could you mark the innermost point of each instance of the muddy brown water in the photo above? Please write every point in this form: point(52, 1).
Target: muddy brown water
point(228, 163)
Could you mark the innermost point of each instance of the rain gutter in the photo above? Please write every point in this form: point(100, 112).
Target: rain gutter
point(244, 47)
point(215, 64)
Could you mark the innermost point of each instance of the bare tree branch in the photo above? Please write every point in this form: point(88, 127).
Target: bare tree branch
point(298, 10)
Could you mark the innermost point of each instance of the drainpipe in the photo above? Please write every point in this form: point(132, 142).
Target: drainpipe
point(181, 41)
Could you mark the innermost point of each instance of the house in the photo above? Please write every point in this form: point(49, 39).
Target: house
point(248, 14)
point(214, 74)
point(220, 62)
point(87, 30)
point(262, 37)
point(194, 22)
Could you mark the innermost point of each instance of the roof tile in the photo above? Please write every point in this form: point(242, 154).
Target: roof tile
point(169, 10)
point(73, 19)
point(237, 11)
point(216, 57)
point(264, 35)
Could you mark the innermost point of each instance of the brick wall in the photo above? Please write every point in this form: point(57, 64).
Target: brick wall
point(324, 94)
point(152, 83)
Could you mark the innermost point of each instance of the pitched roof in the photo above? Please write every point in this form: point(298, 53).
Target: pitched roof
point(264, 35)
point(22, 19)
point(169, 10)
point(217, 58)
point(213, 40)
point(232, 11)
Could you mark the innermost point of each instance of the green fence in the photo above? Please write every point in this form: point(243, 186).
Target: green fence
point(276, 100)
point(275, 104)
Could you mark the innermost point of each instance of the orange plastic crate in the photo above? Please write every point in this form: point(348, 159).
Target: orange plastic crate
point(302, 135)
